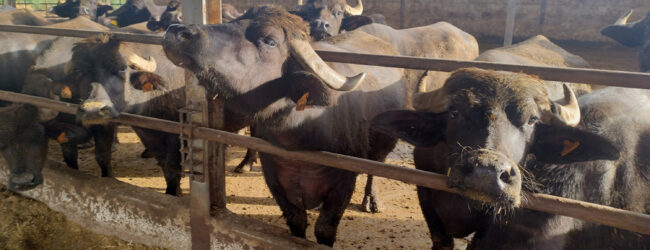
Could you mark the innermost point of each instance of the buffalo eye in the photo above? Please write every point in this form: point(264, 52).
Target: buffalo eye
point(268, 41)
point(532, 120)
point(339, 13)
point(453, 113)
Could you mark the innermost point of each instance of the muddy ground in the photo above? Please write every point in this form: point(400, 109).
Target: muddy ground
point(401, 225)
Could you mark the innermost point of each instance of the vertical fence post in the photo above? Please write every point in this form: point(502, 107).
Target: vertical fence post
point(216, 161)
point(402, 14)
point(194, 12)
point(510, 22)
point(11, 3)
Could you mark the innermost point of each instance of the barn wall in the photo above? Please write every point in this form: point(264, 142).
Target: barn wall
point(579, 20)
point(141, 215)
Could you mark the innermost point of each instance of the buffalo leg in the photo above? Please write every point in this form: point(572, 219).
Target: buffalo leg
point(104, 136)
point(247, 163)
point(172, 166)
point(371, 202)
point(296, 217)
point(70, 155)
point(332, 211)
point(439, 237)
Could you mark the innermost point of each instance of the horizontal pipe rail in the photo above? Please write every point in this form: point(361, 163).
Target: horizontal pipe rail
point(579, 75)
point(614, 217)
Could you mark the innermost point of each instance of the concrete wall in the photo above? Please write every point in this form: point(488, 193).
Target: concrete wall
point(557, 19)
point(141, 215)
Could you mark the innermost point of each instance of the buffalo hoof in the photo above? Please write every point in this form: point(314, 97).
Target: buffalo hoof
point(85, 145)
point(372, 204)
point(243, 168)
point(147, 154)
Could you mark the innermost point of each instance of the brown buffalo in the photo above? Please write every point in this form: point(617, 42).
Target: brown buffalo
point(264, 66)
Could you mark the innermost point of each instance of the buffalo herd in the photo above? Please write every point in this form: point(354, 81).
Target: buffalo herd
point(497, 135)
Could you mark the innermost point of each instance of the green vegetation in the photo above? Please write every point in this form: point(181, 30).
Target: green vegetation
point(41, 4)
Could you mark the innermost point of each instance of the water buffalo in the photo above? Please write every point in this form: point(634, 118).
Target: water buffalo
point(22, 17)
point(132, 12)
point(73, 8)
point(264, 66)
point(24, 127)
point(174, 14)
point(328, 18)
point(636, 34)
point(440, 209)
point(622, 117)
point(484, 129)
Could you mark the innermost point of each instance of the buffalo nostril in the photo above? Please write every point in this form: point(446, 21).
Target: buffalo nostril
point(505, 177)
point(327, 25)
point(185, 34)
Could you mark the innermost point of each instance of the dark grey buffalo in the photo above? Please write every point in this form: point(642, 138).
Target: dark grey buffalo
point(440, 209)
point(328, 18)
point(132, 12)
point(74, 8)
point(174, 15)
point(491, 133)
point(26, 68)
point(636, 35)
point(264, 66)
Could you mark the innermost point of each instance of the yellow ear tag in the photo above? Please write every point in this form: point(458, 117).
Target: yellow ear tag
point(147, 87)
point(161, 29)
point(302, 102)
point(66, 93)
point(114, 23)
point(569, 146)
point(62, 138)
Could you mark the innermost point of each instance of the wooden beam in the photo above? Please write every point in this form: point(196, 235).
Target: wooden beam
point(609, 216)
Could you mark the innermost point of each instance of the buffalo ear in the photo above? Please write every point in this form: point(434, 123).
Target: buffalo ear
point(562, 144)
point(66, 132)
point(307, 90)
point(628, 35)
point(353, 22)
point(418, 128)
point(103, 9)
point(147, 81)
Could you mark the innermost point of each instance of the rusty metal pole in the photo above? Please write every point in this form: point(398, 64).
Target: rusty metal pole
point(196, 150)
point(217, 152)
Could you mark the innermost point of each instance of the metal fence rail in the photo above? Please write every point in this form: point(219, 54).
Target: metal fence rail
point(614, 217)
point(591, 76)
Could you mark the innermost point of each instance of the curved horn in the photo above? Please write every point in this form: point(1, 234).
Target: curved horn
point(307, 57)
point(140, 63)
point(436, 101)
point(623, 19)
point(354, 11)
point(568, 114)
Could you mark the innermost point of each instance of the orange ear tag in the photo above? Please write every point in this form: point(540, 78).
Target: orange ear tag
point(66, 93)
point(62, 138)
point(161, 29)
point(147, 87)
point(569, 146)
point(302, 102)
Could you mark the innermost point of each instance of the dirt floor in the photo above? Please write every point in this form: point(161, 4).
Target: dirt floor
point(400, 226)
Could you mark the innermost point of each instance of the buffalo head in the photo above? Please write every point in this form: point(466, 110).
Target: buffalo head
point(74, 8)
point(328, 17)
point(636, 34)
point(172, 15)
point(260, 58)
point(110, 77)
point(23, 145)
point(491, 125)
